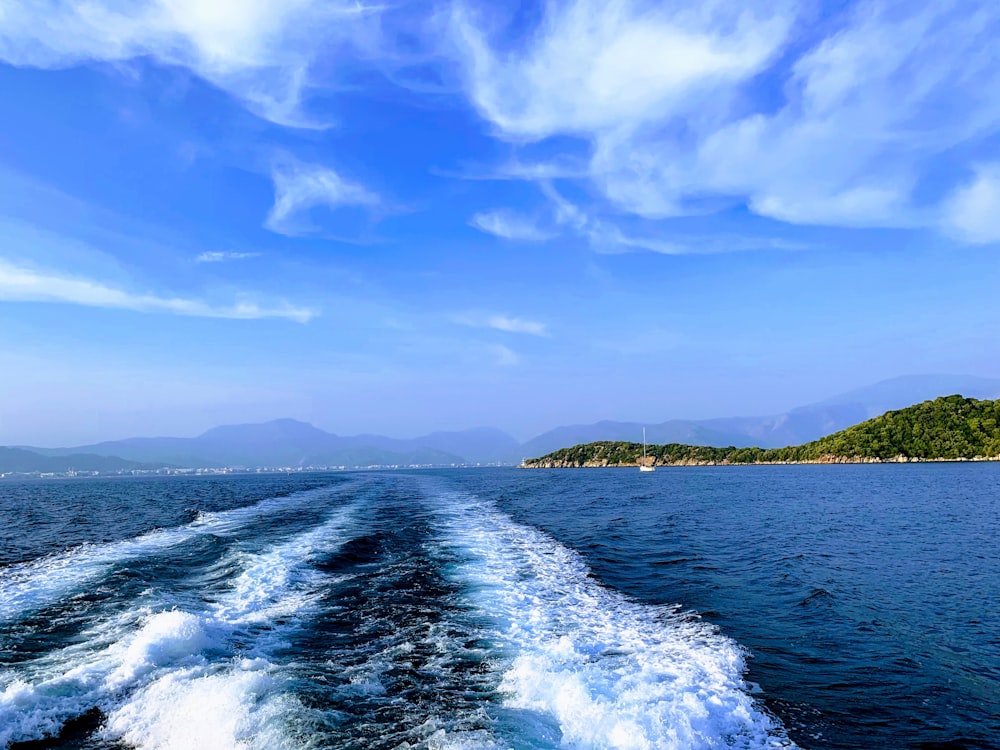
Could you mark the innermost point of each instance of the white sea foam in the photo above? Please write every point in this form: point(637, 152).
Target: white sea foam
point(166, 639)
point(608, 671)
point(240, 706)
point(34, 585)
point(167, 678)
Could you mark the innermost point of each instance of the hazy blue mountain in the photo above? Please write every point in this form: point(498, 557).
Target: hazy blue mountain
point(897, 393)
point(477, 445)
point(282, 442)
point(21, 460)
point(288, 442)
point(173, 451)
point(811, 422)
point(480, 444)
point(800, 425)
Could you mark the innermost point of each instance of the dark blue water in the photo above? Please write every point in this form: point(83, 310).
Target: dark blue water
point(828, 607)
point(868, 595)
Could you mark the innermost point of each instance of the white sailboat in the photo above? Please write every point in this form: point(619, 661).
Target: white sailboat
point(644, 466)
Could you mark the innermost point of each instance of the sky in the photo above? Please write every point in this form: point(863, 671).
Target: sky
point(404, 217)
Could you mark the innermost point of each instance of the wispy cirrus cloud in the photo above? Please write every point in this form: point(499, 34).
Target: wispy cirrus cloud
point(218, 256)
point(516, 325)
point(505, 323)
point(22, 284)
point(865, 112)
point(606, 236)
point(561, 166)
point(509, 226)
point(300, 187)
point(260, 51)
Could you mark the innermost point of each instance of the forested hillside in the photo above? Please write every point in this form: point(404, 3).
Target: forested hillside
point(950, 427)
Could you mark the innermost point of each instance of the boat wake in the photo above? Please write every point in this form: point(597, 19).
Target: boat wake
point(394, 613)
point(169, 676)
point(585, 666)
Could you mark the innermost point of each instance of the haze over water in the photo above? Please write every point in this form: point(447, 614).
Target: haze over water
point(829, 607)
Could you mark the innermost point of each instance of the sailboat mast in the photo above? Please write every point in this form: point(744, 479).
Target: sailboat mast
point(643, 466)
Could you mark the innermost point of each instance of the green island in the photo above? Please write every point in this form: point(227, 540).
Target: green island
point(950, 428)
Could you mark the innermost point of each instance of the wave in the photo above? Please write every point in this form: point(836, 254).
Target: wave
point(32, 586)
point(169, 678)
point(586, 667)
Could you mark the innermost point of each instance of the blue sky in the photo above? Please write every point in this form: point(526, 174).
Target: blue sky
point(406, 217)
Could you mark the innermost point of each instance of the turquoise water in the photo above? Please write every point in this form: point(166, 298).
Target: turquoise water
point(824, 607)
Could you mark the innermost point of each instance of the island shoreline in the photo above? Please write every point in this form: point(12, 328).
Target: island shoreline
point(823, 461)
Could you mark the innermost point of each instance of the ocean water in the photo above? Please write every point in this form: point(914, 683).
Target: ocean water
point(696, 607)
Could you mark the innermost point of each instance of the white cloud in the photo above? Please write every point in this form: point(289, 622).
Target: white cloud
point(21, 284)
point(566, 213)
point(506, 323)
point(516, 325)
point(509, 226)
point(216, 256)
point(258, 50)
point(607, 237)
point(864, 110)
point(560, 167)
point(610, 239)
point(299, 187)
point(593, 65)
point(667, 100)
point(973, 210)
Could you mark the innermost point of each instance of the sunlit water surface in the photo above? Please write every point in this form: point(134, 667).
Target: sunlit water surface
point(754, 607)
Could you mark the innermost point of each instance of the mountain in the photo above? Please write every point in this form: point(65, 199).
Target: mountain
point(800, 425)
point(481, 444)
point(22, 461)
point(282, 442)
point(477, 445)
point(949, 428)
point(288, 442)
point(812, 422)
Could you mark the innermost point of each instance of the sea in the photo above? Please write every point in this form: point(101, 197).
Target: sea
point(848, 606)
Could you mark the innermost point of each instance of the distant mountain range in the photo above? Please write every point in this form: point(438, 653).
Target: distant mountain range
point(22, 461)
point(287, 442)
